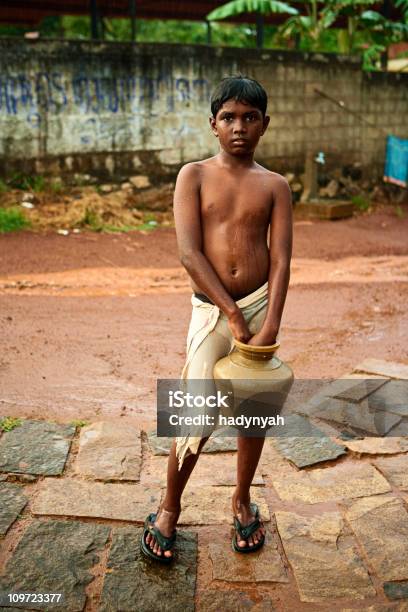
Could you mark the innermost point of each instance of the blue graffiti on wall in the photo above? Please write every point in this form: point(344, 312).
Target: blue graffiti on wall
point(51, 93)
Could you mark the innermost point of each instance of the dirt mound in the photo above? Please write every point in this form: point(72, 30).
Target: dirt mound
point(88, 207)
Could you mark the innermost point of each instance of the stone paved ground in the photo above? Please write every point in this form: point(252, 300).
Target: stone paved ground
point(333, 494)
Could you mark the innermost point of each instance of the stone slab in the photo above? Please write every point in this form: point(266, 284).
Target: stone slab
point(357, 416)
point(110, 450)
point(55, 557)
point(217, 469)
point(264, 565)
point(396, 590)
point(324, 557)
point(70, 497)
point(390, 369)
point(36, 447)
point(216, 444)
point(378, 446)
point(208, 505)
point(381, 525)
point(395, 470)
point(400, 430)
point(212, 600)
point(12, 501)
point(392, 397)
point(304, 444)
point(357, 392)
point(135, 583)
point(341, 481)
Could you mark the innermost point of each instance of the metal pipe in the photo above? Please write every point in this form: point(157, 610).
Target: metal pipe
point(94, 19)
point(132, 11)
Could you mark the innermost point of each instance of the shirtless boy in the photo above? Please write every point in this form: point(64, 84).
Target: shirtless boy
point(223, 207)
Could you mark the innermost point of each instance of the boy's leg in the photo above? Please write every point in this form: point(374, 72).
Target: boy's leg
point(169, 512)
point(214, 347)
point(249, 453)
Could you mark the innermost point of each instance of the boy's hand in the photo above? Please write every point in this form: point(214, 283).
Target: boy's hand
point(239, 327)
point(263, 339)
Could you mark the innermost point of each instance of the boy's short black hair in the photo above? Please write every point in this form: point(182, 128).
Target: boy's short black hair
point(242, 89)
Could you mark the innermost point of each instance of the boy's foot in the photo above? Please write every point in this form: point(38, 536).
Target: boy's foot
point(247, 514)
point(165, 522)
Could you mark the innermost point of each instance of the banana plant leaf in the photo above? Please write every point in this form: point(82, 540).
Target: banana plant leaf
point(237, 7)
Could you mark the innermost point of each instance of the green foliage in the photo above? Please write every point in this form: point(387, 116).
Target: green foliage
point(77, 27)
point(92, 220)
point(27, 182)
point(56, 186)
point(79, 423)
point(361, 202)
point(403, 5)
point(399, 211)
point(3, 186)
point(12, 219)
point(237, 7)
point(9, 423)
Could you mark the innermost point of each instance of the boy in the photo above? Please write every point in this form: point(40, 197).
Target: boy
point(223, 207)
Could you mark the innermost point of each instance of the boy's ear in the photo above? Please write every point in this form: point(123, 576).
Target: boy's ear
point(213, 125)
point(265, 123)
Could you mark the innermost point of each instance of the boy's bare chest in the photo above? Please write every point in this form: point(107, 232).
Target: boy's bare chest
point(239, 199)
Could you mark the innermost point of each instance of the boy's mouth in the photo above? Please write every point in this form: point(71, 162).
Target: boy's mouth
point(239, 141)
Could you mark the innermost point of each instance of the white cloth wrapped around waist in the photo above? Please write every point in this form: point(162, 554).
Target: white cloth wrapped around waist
point(205, 317)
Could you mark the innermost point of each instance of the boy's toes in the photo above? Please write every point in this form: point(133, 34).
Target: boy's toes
point(168, 553)
point(242, 543)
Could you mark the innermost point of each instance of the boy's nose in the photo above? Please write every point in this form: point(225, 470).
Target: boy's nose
point(239, 127)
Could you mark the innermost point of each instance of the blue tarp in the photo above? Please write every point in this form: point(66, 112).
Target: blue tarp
point(396, 161)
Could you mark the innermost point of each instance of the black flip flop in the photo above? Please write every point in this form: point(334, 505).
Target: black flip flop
point(246, 531)
point(164, 543)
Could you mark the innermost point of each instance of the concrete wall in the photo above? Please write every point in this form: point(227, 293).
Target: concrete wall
point(117, 109)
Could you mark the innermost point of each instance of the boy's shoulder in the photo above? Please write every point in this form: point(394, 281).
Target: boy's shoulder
point(194, 167)
point(270, 173)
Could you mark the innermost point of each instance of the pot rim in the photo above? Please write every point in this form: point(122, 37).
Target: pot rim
point(248, 348)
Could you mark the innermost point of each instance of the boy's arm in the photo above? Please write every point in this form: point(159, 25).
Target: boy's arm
point(187, 218)
point(280, 248)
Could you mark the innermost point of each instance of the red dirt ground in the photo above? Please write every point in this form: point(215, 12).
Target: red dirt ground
point(89, 321)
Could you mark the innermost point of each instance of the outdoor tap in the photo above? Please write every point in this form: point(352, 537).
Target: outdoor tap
point(319, 159)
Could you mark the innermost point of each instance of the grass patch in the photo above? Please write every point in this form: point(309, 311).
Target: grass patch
point(56, 186)
point(27, 182)
point(12, 219)
point(399, 211)
point(92, 220)
point(3, 186)
point(79, 423)
point(9, 423)
point(361, 202)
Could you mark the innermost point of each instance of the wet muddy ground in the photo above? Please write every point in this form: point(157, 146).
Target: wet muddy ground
point(90, 321)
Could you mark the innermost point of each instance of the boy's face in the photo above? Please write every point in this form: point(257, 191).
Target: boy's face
point(239, 126)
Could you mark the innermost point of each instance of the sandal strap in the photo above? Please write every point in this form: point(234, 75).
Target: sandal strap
point(248, 530)
point(164, 542)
